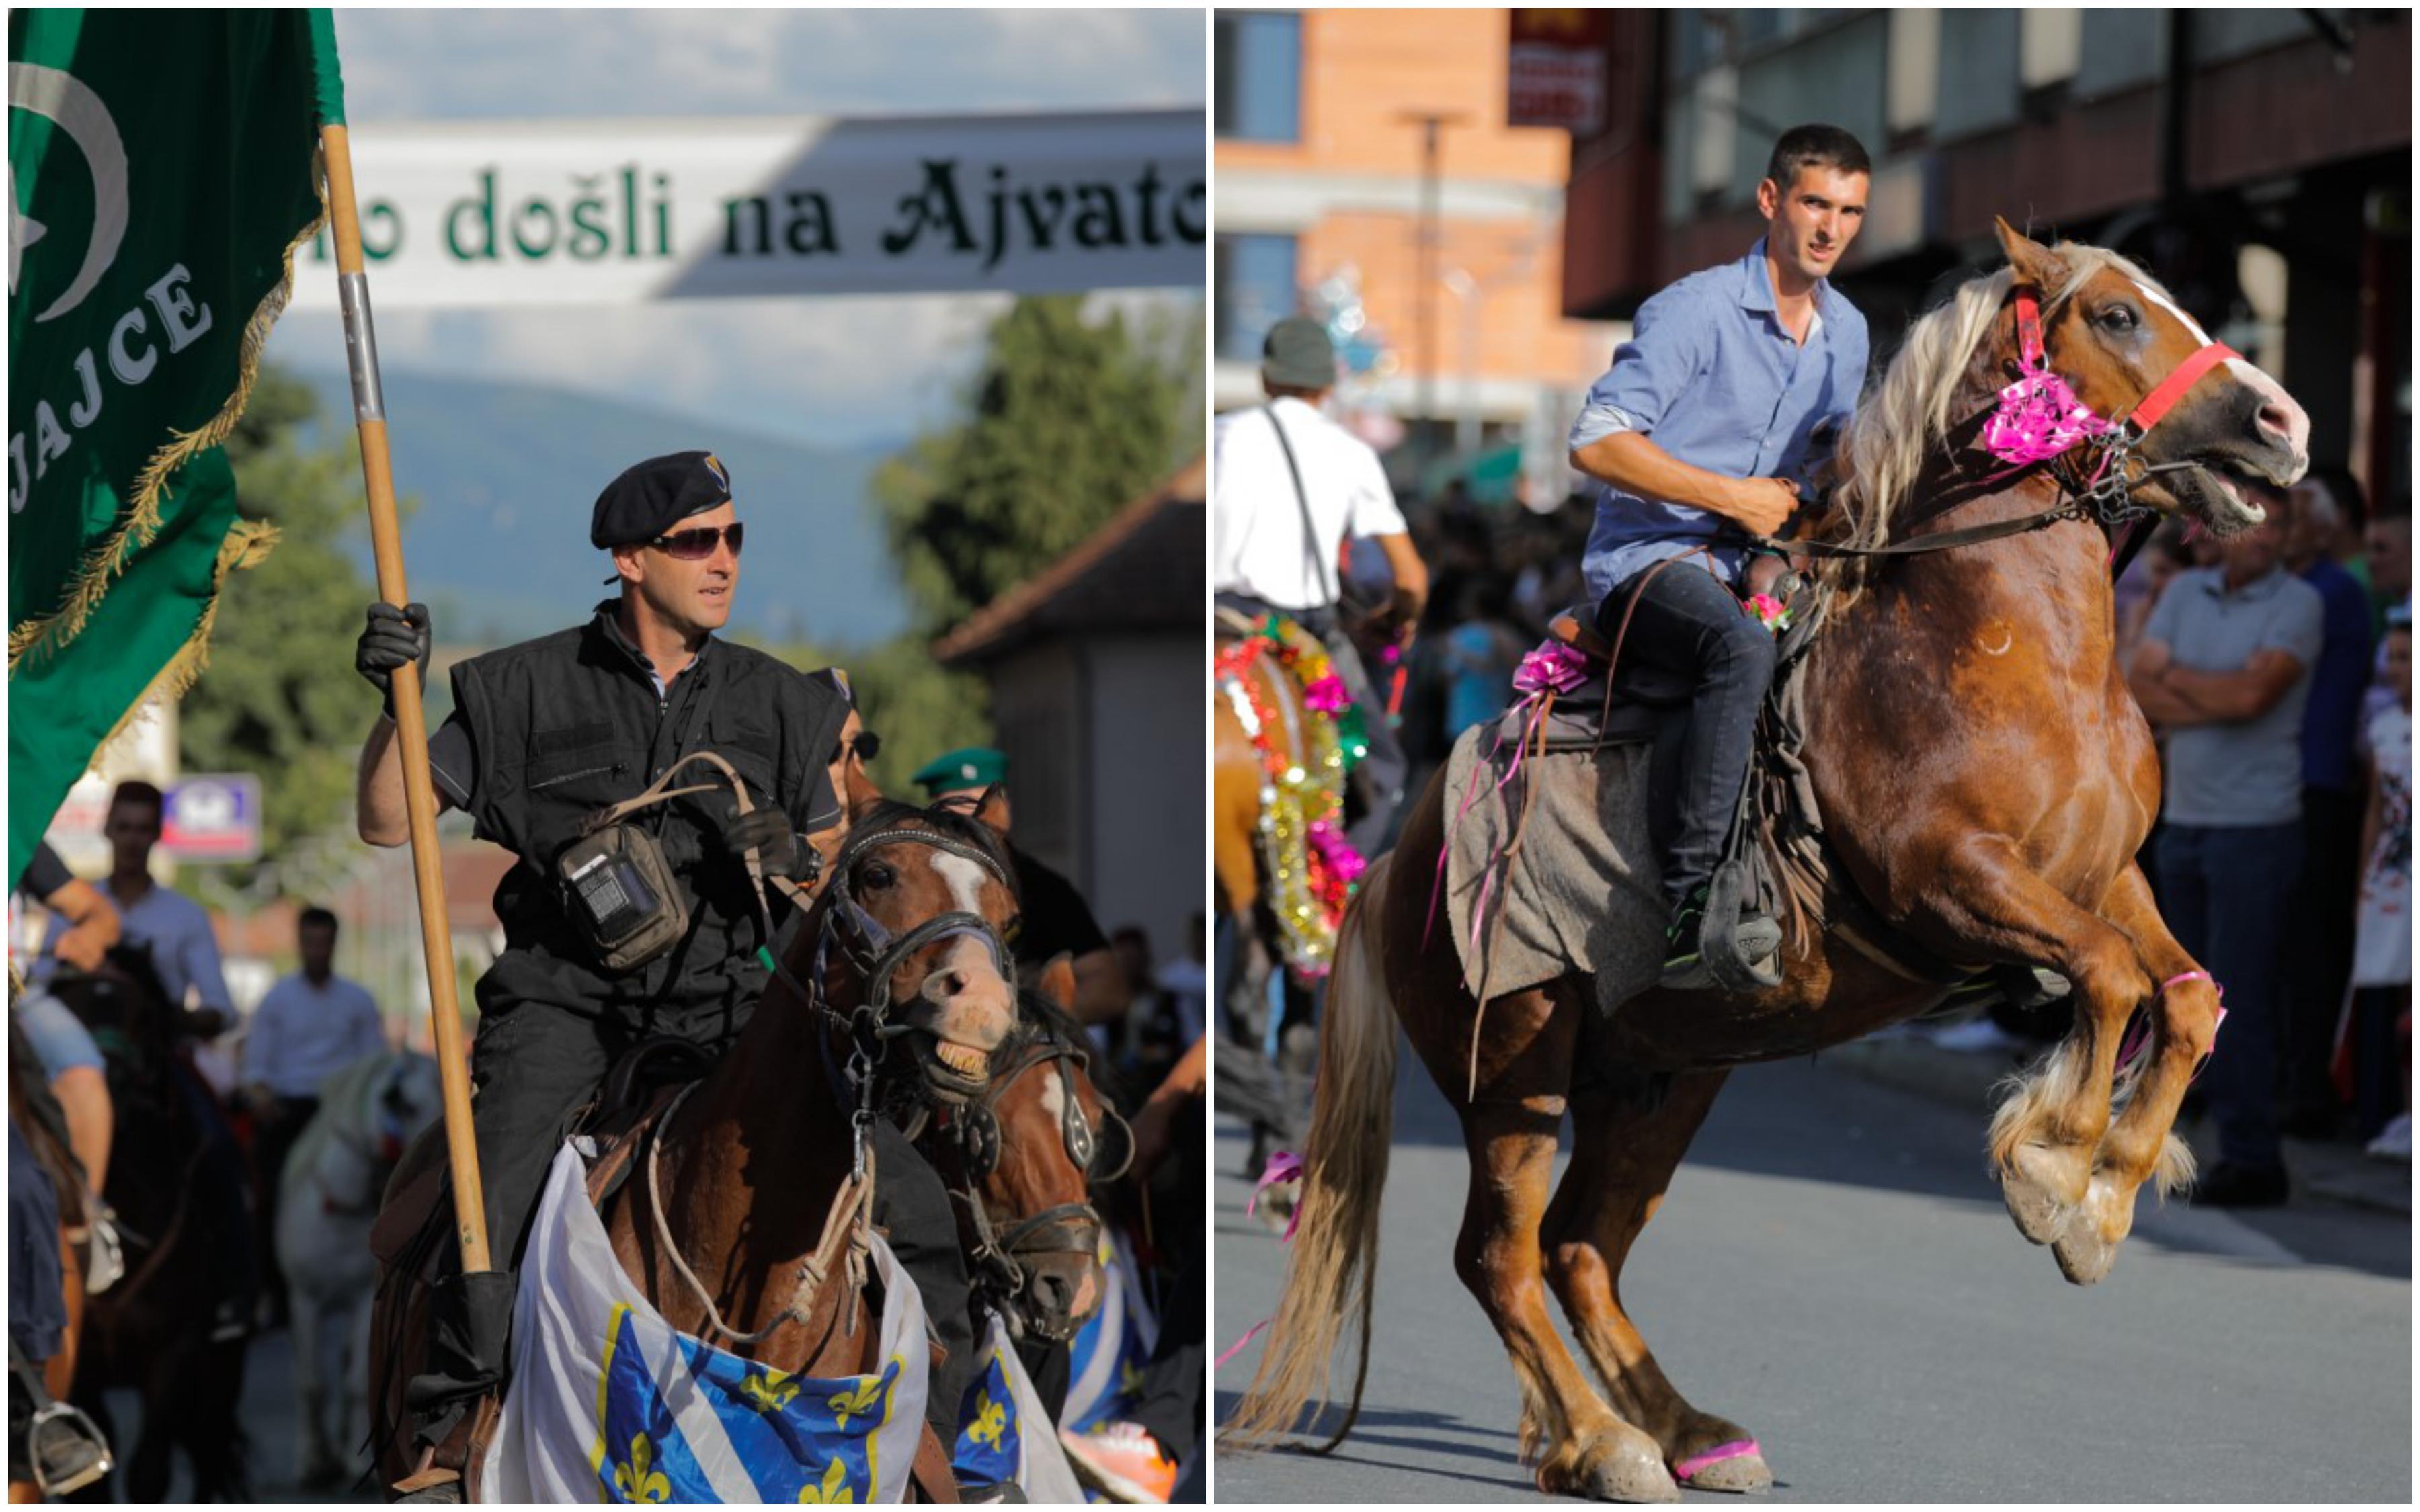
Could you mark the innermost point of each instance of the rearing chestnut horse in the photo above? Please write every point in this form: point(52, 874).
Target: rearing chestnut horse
point(1985, 780)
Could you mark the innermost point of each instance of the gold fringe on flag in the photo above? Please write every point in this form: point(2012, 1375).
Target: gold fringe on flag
point(50, 634)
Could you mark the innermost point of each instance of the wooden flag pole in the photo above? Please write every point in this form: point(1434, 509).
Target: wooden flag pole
point(410, 722)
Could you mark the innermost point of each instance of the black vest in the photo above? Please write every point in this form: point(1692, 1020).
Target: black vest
point(568, 724)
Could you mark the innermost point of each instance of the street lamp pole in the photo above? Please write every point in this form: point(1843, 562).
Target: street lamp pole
point(1432, 124)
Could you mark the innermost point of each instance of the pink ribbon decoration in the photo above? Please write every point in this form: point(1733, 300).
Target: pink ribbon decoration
point(2139, 1033)
point(1328, 695)
point(2039, 418)
point(1552, 667)
point(1335, 850)
point(1770, 610)
point(1285, 1165)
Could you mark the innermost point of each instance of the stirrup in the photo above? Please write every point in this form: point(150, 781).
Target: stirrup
point(65, 1450)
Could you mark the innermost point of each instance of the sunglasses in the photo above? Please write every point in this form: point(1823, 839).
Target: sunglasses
point(698, 544)
point(866, 745)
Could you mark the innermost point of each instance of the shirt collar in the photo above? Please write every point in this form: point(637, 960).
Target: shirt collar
point(2260, 587)
point(608, 624)
point(1756, 285)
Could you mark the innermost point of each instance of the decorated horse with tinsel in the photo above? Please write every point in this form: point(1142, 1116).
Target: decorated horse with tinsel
point(1983, 779)
point(1287, 734)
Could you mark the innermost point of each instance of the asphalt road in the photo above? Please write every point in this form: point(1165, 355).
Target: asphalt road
point(1833, 1270)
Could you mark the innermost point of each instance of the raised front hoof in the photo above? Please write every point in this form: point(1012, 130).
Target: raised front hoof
point(2033, 1188)
point(1628, 1468)
point(1737, 1466)
point(2089, 1246)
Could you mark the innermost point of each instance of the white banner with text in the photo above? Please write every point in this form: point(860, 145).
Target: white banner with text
point(510, 213)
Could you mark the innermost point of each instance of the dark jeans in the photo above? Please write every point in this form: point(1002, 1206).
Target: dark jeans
point(2224, 899)
point(1687, 623)
point(534, 1064)
point(1377, 780)
point(2382, 1061)
point(2318, 941)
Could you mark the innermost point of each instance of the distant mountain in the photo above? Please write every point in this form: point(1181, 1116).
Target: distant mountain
point(505, 474)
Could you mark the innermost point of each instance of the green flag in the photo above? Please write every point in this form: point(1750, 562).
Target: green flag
point(162, 170)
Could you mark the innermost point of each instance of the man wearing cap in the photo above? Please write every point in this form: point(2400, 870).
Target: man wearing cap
point(1052, 919)
point(547, 733)
point(1289, 487)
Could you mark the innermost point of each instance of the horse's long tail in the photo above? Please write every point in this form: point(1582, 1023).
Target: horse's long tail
point(1333, 1269)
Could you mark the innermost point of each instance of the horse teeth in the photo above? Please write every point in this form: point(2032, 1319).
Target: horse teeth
point(961, 1058)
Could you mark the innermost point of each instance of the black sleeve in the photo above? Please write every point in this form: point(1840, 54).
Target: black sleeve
point(45, 874)
point(453, 761)
point(1055, 917)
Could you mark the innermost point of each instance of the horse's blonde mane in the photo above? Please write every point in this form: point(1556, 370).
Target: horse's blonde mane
point(1906, 412)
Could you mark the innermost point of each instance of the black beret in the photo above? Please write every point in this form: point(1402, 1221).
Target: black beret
point(650, 498)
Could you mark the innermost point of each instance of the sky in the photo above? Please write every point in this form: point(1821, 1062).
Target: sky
point(840, 372)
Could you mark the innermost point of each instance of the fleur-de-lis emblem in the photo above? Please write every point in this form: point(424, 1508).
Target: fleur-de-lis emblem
point(765, 1393)
point(991, 1420)
point(860, 1402)
point(1129, 1378)
point(635, 1480)
point(832, 1492)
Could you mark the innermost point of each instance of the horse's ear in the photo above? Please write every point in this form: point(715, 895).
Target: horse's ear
point(1057, 981)
point(992, 809)
point(2034, 263)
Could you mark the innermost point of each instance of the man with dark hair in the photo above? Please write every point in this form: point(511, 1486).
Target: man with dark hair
point(548, 733)
point(1715, 411)
point(310, 1026)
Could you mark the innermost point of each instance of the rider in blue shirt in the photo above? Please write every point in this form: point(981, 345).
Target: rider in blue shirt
point(1725, 399)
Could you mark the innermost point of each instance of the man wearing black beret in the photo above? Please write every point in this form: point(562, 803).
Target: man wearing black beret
point(545, 733)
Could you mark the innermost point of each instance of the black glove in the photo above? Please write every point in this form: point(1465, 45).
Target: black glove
point(768, 831)
point(393, 637)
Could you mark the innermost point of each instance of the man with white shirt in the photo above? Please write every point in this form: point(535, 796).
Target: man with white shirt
point(310, 1026)
point(1289, 487)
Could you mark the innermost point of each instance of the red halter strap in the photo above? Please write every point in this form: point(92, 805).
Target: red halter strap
point(2157, 403)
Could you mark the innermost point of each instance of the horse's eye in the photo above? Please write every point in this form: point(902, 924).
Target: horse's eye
point(2120, 317)
point(876, 876)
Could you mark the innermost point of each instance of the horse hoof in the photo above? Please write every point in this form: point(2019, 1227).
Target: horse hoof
point(2032, 1196)
point(1624, 1469)
point(1737, 1466)
point(2089, 1246)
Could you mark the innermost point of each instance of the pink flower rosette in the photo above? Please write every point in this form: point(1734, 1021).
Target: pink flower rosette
point(1552, 667)
point(1328, 695)
point(2039, 418)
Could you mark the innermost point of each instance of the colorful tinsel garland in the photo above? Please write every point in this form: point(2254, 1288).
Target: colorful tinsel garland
point(1312, 870)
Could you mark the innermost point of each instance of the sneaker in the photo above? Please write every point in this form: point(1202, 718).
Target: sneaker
point(1123, 1459)
point(2240, 1186)
point(2393, 1142)
point(1684, 964)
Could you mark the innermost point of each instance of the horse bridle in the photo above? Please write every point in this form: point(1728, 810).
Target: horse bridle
point(1069, 1228)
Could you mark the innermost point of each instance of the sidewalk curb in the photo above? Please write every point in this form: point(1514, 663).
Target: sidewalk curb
point(1964, 1079)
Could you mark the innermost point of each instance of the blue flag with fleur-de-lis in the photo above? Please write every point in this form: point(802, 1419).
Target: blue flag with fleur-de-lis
point(1006, 1435)
point(1105, 1363)
point(611, 1403)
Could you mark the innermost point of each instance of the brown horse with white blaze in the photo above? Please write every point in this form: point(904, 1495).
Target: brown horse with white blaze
point(1985, 780)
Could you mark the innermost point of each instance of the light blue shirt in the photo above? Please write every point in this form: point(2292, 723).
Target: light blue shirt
point(1713, 378)
point(302, 1035)
point(183, 948)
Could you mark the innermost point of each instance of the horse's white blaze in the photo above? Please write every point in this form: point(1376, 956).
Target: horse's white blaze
point(1054, 1098)
point(966, 880)
point(2298, 424)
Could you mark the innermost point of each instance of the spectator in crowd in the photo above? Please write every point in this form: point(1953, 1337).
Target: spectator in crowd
point(185, 953)
point(312, 1024)
point(2344, 518)
point(2380, 1010)
point(2225, 665)
point(2388, 551)
point(2320, 912)
point(71, 1059)
point(1481, 652)
point(2163, 556)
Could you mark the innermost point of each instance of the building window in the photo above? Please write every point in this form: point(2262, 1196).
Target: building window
point(1259, 88)
point(1253, 287)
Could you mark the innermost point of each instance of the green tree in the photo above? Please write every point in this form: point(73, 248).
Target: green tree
point(280, 697)
point(919, 707)
point(1067, 420)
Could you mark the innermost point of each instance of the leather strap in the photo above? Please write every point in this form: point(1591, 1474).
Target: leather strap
point(1329, 591)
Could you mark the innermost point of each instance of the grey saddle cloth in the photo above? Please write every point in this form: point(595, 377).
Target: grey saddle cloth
point(1582, 893)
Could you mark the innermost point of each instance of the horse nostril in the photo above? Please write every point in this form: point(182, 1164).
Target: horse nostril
point(947, 984)
point(1054, 1293)
point(2273, 420)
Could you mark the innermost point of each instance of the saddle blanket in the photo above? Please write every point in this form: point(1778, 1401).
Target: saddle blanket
point(1581, 893)
point(610, 1403)
point(1006, 1435)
